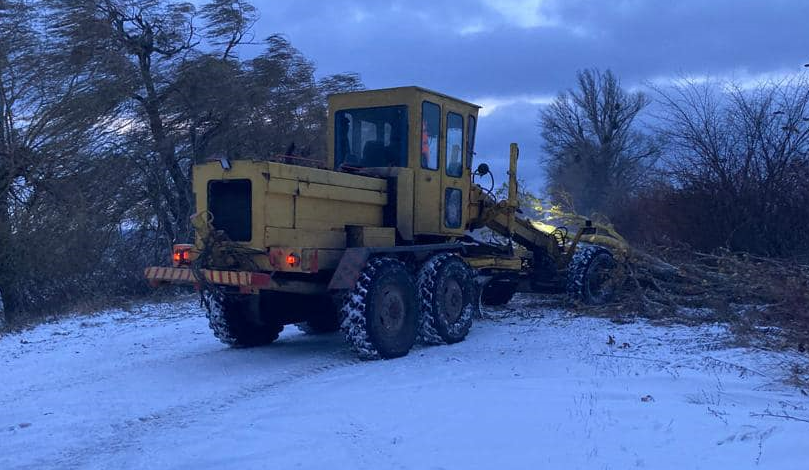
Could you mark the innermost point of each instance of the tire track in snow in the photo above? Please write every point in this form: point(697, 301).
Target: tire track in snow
point(93, 336)
point(294, 358)
point(126, 434)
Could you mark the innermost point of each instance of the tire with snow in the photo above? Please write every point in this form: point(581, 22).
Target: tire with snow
point(236, 319)
point(380, 315)
point(449, 299)
point(589, 276)
point(498, 292)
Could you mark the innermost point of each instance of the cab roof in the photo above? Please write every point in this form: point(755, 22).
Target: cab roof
point(405, 89)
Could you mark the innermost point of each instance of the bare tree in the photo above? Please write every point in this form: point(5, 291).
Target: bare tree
point(229, 23)
point(594, 152)
point(739, 161)
point(258, 108)
point(104, 107)
point(41, 131)
point(140, 44)
point(189, 104)
point(18, 83)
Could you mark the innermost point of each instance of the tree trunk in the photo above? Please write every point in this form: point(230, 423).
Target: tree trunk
point(178, 197)
point(6, 177)
point(5, 256)
point(5, 238)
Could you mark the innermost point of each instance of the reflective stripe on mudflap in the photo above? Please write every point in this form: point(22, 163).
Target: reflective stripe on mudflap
point(157, 274)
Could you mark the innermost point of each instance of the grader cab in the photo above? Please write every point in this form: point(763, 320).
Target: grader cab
point(377, 240)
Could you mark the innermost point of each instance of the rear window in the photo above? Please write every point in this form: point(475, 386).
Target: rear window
point(371, 137)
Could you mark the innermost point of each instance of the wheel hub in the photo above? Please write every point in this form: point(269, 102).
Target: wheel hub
point(392, 309)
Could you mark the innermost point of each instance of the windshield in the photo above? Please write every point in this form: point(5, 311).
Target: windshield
point(371, 137)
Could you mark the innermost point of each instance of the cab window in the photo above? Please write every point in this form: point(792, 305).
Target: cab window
point(430, 130)
point(454, 149)
point(371, 137)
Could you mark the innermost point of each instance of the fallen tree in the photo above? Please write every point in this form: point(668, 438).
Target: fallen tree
point(757, 289)
point(677, 282)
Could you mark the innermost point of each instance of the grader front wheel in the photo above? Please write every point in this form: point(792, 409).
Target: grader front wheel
point(590, 277)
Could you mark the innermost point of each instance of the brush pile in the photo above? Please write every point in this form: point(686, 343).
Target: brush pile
point(736, 287)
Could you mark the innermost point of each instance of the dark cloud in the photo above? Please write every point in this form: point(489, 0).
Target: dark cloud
point(395, 43)
point(511, 123)
point(523, 48)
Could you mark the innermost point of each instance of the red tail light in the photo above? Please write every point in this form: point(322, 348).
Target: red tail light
point(293, 260)
point(181, 254)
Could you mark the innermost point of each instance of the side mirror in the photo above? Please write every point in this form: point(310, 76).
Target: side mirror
point(483, 169)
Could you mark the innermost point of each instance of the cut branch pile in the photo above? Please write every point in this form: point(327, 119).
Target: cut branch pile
point(725, 285)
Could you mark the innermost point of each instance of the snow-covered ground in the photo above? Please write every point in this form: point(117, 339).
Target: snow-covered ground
point(151, 388)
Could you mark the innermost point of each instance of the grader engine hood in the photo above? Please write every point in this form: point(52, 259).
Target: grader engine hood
point(284, 217)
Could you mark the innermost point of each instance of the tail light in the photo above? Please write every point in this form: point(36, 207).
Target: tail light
point(181, 254)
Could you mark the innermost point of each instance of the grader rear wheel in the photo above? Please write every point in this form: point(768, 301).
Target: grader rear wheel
point(381, 312)
point(237, 320)
point(449, 299)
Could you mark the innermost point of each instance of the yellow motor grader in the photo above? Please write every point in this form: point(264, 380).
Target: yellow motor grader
point(378, 240)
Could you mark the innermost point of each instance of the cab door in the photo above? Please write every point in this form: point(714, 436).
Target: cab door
point(454, 175)
point(429, 197)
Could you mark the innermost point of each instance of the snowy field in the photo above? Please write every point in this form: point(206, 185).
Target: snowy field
point(152, 388)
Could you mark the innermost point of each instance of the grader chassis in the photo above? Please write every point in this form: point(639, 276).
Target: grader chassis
point(377, 241)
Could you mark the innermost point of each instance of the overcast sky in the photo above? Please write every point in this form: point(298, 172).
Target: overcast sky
point(510, 56)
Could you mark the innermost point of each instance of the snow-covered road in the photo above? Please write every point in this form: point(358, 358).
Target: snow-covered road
point(151, 388)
